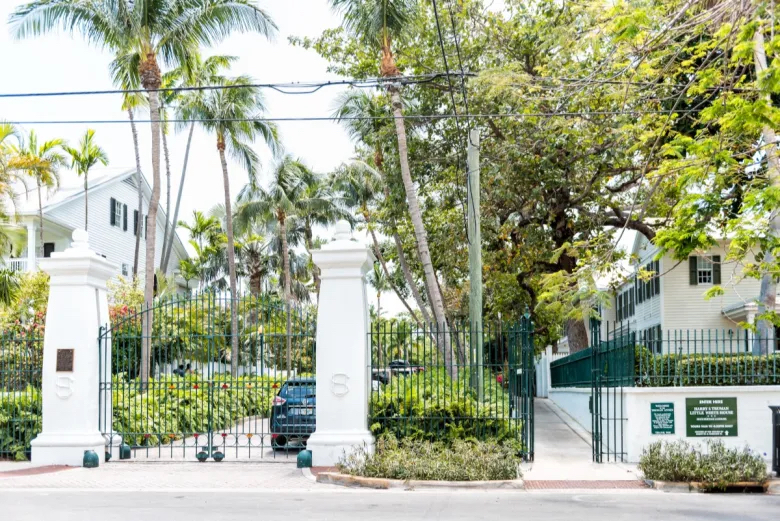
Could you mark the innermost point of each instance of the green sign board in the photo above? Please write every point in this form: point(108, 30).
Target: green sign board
point(662, 418)
point(710, 417)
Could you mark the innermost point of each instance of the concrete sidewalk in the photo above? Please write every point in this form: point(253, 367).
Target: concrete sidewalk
point(562, 450)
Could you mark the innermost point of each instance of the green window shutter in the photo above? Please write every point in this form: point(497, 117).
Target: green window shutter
point(694, 271)
point(135, 222)
point(716, 269)
point(124, 217)
point(111, 209)
point(657, 279)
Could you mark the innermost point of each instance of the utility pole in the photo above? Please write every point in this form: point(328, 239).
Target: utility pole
point(475, 263)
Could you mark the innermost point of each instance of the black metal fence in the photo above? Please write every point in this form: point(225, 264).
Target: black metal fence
point(21, 366)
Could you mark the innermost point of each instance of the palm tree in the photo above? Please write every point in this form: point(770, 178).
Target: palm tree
point(230, 114)
point(358, 186)
point(380, 283)
point(41, 163)
point(202, 227)
point(146, 31)
point(361, 114)
point(197, 73)
point(83, 158)
point(378, 23)
point(282, 202)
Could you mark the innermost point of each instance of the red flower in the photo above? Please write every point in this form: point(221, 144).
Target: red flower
point(195, 386)
point(224, 386)
point(224, 435)
point(500, 379)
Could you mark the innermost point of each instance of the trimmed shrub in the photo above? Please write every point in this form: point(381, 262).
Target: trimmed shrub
point(20, 422)
point(697, 369)
point(714, 465)
point(413, 459)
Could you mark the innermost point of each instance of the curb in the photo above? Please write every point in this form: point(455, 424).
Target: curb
point(680, 487)
point(345, 480)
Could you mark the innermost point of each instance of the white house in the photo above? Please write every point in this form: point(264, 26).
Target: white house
point(671, 309)
point(113, 223)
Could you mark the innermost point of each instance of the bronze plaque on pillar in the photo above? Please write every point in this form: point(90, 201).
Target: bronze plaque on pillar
point(65, 360)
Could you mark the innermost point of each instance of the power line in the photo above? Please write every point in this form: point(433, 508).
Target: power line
point(284, 88)
point(517, 115)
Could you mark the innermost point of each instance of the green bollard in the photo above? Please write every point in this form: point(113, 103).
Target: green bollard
point(124, 451)
point(91, 460)
point(304, 459)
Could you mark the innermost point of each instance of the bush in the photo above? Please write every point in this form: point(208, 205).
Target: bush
point(413, 459)
point(698, 369)
point(431, 406)
point(716, 466)
point(20, 422)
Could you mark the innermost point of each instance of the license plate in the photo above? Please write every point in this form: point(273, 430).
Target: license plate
point(305, 411)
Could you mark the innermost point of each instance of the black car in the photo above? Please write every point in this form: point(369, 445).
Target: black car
point(293, 413)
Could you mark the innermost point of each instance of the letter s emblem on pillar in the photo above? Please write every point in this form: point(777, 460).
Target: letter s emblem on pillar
point(64, 386)
point(338, 384)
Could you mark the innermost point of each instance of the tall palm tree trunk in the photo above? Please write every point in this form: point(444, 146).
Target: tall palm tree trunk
point(768, 292)
point(167, 252)
point(287, 286)
point(421, 237)
point(167, 196)
point(40, 218)
point(231, 255)
point(138, 182)
point(381, 259)
point(315, 272)
point(150, 79)
point(86, 201)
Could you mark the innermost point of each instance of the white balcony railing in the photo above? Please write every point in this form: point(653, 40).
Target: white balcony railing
point(19, 264)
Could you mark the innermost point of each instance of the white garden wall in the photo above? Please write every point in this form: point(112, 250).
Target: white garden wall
point(753, 415)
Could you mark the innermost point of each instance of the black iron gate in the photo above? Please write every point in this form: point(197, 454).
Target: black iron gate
point(195, 387)
point(440, 383)
point(612, 368)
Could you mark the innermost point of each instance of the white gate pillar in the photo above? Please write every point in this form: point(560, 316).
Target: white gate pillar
point(78, 306)
point(343, 350)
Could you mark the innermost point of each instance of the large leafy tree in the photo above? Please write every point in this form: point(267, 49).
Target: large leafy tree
point(232, 115)
point(146, 32)
point(83, 159)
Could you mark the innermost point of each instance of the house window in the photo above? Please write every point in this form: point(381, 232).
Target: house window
point(704, 270)
point(125, 269)
point(48, 249)
point(115, 213)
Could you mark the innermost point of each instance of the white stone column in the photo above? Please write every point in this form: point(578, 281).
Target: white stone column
point(31, 249)
point(343, 350)
point(77, 307)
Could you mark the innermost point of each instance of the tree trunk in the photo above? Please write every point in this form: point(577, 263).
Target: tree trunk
point(231, 254)
point(139, 182)
point(175, 220)
point(287, 285)
point(768, 293)
point(40, 217)
point(379, 357)
point(381, 259)
point(150, 76)
point(577, 335)
point(315, 272)
point(167, 197)
point(86, 201)
point(421, 237)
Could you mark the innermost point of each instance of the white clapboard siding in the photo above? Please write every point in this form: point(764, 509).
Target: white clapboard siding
point(115, 243)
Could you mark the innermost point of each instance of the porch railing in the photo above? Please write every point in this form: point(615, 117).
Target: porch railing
point(19, 264)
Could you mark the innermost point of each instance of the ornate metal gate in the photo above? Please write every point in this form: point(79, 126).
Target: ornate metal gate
point(208, 377)
point(612, 368)
point(435, 383)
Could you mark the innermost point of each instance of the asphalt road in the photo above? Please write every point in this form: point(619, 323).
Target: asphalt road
point(349, 505)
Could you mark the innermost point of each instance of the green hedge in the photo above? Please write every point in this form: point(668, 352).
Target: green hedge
point(431, 406)
point(20, 422)
point(693, 370)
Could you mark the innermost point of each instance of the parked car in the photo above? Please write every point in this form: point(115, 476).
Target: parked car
point(404, 367)
point(293, 413)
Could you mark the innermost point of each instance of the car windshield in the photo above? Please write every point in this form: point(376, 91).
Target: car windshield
point(300, 391)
